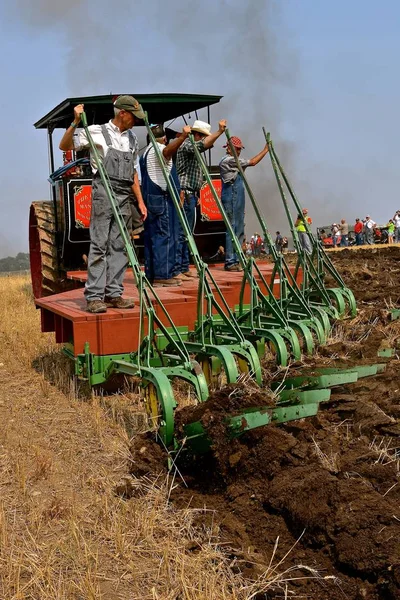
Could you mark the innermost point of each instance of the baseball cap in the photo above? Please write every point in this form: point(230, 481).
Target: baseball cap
point(130, 104)
point(158, 131)
point(236, 141)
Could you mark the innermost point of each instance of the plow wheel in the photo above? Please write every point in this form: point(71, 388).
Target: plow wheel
point(248, 362)
point(292, 342)
point(304, 337)
point(351, 305)
point(321, 314)
point(159, 404)
point(275, 348)
point(212, 369)
point(43, 250)
point(337, 300)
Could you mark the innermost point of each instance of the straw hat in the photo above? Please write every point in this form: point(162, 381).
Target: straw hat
point(201, 127)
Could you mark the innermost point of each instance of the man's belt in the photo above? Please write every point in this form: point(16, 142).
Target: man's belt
point(191, 191)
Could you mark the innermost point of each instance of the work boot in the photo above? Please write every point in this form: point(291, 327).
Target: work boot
point(135, 232)
point(190, 274)
point(172, 282)
point(119, 302)
point(96, 306)
point(233, 268)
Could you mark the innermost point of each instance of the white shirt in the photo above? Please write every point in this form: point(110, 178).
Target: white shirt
point(153, 165)
point(119, 141)
point(396, 220)
point(370, 223)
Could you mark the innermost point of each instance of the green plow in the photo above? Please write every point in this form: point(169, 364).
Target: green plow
point(216, 348)
point(265, 321)
point(298, 310)
point(336, 301)
point(224, 340)
point(296, 398)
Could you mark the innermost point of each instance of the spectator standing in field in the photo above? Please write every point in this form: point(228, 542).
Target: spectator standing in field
point(191, 180)
point(233, 197)
point(396, 221)
point(335, 234)
point(370, 226)
point(279, 242)
point(301, 229)
point(256, 243)
point(344, 232)
point(358, 230)
point(390, 231)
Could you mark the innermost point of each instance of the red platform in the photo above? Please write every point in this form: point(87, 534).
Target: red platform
point(116, 331)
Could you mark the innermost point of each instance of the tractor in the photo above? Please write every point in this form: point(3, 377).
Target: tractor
point(212, 330)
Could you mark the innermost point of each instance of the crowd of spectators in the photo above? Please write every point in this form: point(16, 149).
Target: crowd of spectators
point(365, 232)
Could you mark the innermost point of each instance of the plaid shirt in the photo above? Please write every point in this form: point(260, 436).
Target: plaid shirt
point(189, 171)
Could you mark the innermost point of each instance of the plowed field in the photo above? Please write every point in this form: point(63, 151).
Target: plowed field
point(314, 503)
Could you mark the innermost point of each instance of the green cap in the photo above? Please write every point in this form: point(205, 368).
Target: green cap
point(130, 104)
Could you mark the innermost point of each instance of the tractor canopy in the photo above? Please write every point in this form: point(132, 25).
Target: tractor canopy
point(99, 109)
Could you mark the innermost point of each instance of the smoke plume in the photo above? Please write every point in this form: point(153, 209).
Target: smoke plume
point(229, 47)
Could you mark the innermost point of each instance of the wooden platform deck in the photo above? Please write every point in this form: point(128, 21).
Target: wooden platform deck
point(116, 331)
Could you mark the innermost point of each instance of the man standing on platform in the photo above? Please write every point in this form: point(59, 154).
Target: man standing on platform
point(160, 229)
point(118, 149)
point(233, 197)
point(191, 180)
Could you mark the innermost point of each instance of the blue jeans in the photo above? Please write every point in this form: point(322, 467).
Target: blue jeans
point(232, 198)
point(344, 241)
point(397, 235)
point(159, 242)
point(359, 239)
point(182, 250)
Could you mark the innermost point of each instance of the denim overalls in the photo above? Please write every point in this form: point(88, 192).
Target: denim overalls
point(107, 261)
point(161, 226)
point(233, 201)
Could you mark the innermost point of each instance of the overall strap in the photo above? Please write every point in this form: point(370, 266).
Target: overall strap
point(106, 136)
point(131, 140)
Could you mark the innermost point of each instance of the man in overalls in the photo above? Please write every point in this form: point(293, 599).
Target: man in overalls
point(161, 229)
point(118, 148)
point(232, 196)
point(191, 181)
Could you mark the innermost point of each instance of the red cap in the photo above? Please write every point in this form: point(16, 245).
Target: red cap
point(237, 142)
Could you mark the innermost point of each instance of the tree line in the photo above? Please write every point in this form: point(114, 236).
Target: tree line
point(15, 263)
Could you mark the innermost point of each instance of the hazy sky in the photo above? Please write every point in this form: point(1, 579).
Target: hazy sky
point(322, 76)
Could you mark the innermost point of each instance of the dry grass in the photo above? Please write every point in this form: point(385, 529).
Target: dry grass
point(64, 533)
point(329, 460)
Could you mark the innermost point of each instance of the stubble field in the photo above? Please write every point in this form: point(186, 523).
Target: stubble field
point(88, 509)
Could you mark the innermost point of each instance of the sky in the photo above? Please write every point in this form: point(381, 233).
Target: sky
point(322, 76)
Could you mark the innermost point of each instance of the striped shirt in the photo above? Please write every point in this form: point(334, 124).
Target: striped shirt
point(153, 166)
